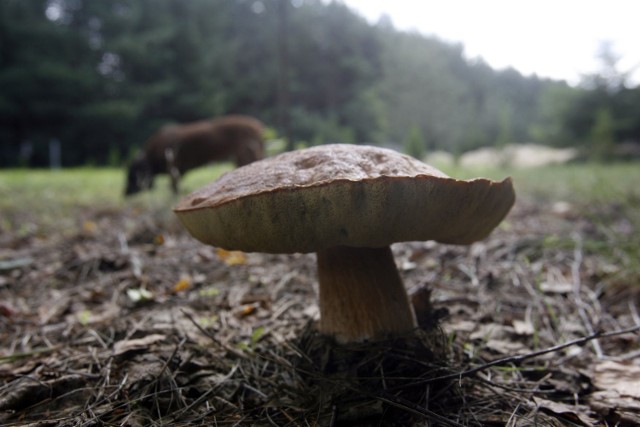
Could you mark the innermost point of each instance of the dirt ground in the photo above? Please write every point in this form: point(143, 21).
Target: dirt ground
point(126, 320)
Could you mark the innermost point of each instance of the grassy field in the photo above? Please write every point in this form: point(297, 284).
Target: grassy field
point(582, 183)
point(576, 183)
point(38, 200)
point(82, 186)
point(47, 197)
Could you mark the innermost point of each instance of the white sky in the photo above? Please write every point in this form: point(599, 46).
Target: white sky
point(552, 38)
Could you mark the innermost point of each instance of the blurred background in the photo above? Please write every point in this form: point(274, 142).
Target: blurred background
point(86, 82)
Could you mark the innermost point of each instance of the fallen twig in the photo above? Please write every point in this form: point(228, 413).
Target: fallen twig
point(577, 286)
point(215, 340)
point(522, 357)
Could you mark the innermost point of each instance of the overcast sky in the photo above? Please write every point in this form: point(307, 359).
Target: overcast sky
point(552, 38)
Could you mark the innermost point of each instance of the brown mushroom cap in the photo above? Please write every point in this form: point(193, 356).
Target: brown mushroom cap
point(341, 195)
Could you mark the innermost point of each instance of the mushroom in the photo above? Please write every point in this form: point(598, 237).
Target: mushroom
point(347, 203)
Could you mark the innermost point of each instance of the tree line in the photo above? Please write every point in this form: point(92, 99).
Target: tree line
point(98, 77)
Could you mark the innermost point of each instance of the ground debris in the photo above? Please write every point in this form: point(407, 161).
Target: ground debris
point(617, 394)
point(229, 338)
point(28, 391)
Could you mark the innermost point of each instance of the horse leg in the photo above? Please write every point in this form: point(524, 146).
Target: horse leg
point(174, 172)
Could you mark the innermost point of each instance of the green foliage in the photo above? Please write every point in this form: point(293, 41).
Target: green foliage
point(421, 86)
point(605, 111)
point(414, 144)
point(114, 159)
point(579, 183)
point(556, 101)
point(504, 129)
point(325, 129)
point(602, 135)
point(250, 345)
point(101, 76)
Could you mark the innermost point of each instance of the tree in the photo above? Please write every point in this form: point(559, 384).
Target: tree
point(101, 76)
point(604, 112)
point(609, 77)
point(602, 136)
point(555, 104)
point(46, 73)
point(335, 70)
point(504, 136)
point(414, 144)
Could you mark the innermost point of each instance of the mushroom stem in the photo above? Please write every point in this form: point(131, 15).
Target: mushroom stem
point(361, 294)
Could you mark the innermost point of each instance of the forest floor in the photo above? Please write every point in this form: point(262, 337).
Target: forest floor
point(110, 314)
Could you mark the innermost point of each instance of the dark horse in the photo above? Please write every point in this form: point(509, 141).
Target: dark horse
point(176, 149)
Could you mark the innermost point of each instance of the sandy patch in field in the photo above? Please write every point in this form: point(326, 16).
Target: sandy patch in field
point(512, 155)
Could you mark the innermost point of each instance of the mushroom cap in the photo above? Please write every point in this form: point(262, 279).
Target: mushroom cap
point(341, 195)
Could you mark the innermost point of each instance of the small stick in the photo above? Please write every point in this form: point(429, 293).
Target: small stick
point(634, 313)
point(520, 358)
point(577, 285)
point(215, 340)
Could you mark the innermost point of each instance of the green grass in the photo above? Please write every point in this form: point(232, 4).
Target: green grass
point(28, 188)
point(576, 183)
point(580, 183)
point(37, 201)
point(45, 197)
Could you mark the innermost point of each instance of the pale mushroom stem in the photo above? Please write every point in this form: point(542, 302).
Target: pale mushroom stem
point(361, 294)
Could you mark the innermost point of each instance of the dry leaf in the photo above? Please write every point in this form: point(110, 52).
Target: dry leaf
point(556, 288)
point(573, 413)
point(522, 327)
point(139, 295)
point(562, 209)
point(231, 257)
point(28, 393)
point(507, 347)
point(6, 310)
point(182, 285)
point(247, 310)
point(89, 227)
point(460, 326)
point(611, 405)
point(624, 379)
point(124, 346)
point(487, 331)
point(620, 391)
point(408, 265)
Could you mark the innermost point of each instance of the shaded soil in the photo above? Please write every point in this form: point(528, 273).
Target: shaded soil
point(126, 320)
